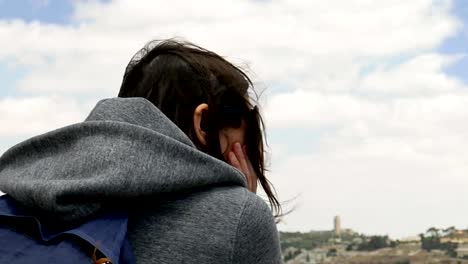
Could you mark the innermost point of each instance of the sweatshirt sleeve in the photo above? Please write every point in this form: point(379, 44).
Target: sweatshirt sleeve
point(257, 238)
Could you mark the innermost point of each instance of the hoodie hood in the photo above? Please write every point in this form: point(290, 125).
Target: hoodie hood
point(126, 149)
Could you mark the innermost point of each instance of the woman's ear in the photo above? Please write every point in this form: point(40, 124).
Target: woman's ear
point(197, 121)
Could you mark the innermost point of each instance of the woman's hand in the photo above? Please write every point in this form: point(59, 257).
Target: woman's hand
point(238, 159)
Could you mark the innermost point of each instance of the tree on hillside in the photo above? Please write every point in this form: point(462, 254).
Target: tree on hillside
point(450, 231)
point(374, 243)
point(433, 232)
point(432, 240)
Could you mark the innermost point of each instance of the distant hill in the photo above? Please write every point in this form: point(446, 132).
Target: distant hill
point(314, 239)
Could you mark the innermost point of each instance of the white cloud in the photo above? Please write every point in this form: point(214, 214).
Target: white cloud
point(397, 165)
point(420, 75)
point(376, 190)
point(366, 72)
point(35, 115)
point(293, 40)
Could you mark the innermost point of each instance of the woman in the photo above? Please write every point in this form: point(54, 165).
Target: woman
point(181, 151)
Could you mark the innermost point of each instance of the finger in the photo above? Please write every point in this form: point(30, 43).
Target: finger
point(241, 158)
point(248, 167)
point(253, 174)
point(249, 164)
point(244, 162)
point(234, 161)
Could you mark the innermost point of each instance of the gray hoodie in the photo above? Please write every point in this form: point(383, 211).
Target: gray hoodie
point(185, 206)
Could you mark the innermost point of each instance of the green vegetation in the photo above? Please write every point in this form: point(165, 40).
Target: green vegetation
point(376, 242)
point(292, 254)
point(432, 240)
point(352, 240)
point(307, 241)
point(315, 239)
point(330, 245)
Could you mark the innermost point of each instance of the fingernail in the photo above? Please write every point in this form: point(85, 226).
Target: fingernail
point(238, 146)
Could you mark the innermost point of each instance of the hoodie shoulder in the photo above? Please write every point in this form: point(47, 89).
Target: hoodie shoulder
point(139, 112)
point(256, 238)
point(126, 150)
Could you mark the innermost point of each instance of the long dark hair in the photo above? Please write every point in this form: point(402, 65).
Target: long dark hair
point(178, 76)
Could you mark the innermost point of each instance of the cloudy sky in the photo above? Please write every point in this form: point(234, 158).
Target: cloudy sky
point(366, 102)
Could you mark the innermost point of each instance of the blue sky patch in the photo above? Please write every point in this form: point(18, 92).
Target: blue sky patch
point(9, 76)
point(46, 11)
point(458, 43)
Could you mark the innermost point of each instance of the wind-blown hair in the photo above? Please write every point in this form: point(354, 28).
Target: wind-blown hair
point(178, 76)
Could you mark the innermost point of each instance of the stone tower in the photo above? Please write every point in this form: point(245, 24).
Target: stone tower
point(337, 225)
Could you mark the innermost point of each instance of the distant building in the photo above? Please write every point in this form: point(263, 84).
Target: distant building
point(457, 237)
point(462, 251)
point(411, 240)
point(337, 225)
